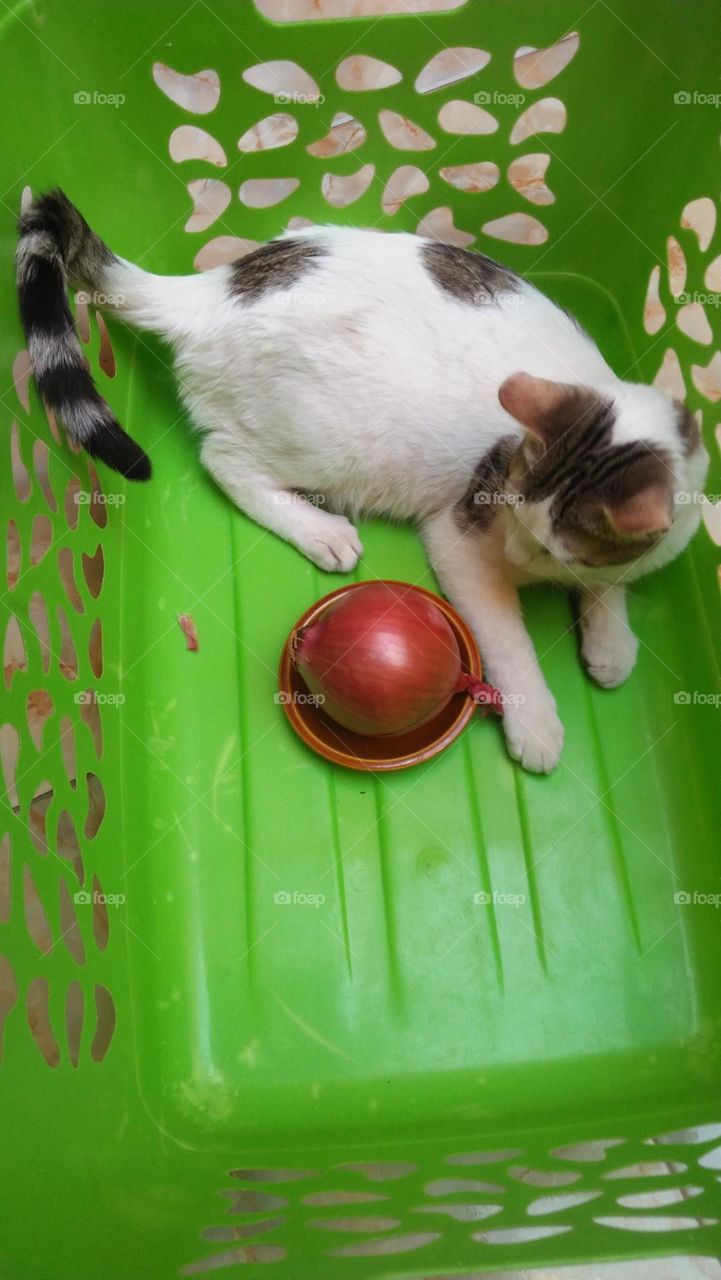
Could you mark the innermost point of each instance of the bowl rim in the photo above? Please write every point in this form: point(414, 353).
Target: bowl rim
point(297, 714)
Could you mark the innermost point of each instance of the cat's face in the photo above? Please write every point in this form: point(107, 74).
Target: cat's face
point(596, 478)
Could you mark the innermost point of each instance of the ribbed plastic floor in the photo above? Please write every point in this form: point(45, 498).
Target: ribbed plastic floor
point(582, 980)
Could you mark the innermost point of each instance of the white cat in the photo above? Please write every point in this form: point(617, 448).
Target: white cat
point(398, 376)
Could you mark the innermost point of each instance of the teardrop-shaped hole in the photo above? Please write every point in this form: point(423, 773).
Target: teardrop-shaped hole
point(38, 709)
point(106, 355)
point(38, 614)
point(345, 134)
point(404, 134)
point(90, 714)
point(95, 648)
point(21, 374)
point(404, 183)
point(654, 314)
point(278, 130)
point(96, 805)
point(36, 920)
point(68, 663)
point(98, 505)
point(8, 998)
point(360, 73)
point(15, 656)
point(188, 142)
point(13, 555)
point(68, 846)
point(93, 571)
point(466, 119)
point(263, 193)
point(9, 751)
point(72, 501)
point(67, 750)
point(105, 1010)
point(101, 923)
point(547, 116)
point(341, 190)
point(38, 1014)
point(69, 927)
point(21, 475)
point(451, 66)
point(67, 577)
point(199, 92)
point(74, 1010)
point(38, 815)
point(287, 81)
point(40, 538)
point(41, 464)
point(535, 67)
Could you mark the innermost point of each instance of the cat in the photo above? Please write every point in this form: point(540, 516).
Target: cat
point(397, 376)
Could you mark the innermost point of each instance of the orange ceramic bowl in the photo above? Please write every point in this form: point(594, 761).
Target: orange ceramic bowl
point(382, 753)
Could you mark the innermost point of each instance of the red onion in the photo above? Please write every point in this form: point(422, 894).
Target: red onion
point(383, 658)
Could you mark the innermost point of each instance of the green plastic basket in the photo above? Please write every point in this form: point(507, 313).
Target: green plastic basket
point(257, 1010)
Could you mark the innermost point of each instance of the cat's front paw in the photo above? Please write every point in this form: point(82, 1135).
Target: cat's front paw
point(609, 659)
point(331, 542)
point(534, 733)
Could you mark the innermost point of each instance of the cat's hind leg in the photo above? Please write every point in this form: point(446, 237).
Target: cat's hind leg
point(329, 540)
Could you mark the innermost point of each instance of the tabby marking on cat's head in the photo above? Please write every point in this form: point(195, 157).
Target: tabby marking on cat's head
point(595, 477)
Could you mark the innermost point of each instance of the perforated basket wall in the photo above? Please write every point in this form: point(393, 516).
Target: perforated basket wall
point(255, 1011)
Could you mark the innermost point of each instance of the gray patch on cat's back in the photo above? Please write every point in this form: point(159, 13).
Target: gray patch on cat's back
point(275, 265)
point(482, 500)
point(469, 277)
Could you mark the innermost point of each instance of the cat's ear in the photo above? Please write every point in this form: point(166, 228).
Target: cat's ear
point(537, 403)
point(650, 510)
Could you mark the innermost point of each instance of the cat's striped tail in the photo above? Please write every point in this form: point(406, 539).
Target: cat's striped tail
point(56, 246)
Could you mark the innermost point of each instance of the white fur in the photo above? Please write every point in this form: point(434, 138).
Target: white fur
point(365, 382)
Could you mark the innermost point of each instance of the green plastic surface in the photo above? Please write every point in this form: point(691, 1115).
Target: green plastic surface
point(400, 1022)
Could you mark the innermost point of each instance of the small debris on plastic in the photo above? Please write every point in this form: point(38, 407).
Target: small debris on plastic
point(187, 626)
